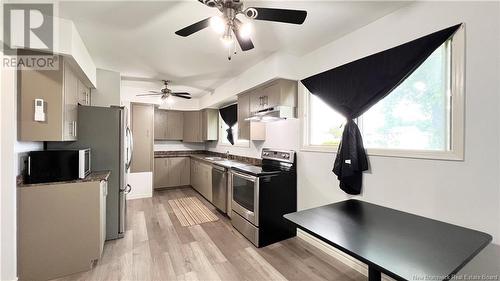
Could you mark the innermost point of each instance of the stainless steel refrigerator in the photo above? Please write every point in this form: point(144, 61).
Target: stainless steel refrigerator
point(105, 131)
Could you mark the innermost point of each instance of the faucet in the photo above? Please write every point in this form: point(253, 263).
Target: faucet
point(227, 154)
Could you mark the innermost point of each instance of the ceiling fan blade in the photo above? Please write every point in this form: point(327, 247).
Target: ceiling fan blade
point(279, 15)
point(181, 93)
point(145, 95)
point(156, 92)
point(183, 97)
point(195, 27)
point(245, 43)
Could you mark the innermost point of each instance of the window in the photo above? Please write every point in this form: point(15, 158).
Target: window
point(223, 135)
point(417, 119)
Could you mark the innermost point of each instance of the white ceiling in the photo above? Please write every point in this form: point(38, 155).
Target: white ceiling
point(137, 38)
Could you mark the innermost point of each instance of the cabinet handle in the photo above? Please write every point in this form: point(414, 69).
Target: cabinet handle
point(74, 129)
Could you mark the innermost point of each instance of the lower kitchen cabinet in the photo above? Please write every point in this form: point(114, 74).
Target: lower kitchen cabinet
point(201, 178)
point(171, 172)
point(61, 228)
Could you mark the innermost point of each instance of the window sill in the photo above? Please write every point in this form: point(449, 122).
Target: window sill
point(396, 153)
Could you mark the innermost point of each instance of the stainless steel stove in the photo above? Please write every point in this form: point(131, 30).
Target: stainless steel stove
point(261, 195)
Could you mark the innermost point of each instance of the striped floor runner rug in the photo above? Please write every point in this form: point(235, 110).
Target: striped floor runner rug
point(190, 211)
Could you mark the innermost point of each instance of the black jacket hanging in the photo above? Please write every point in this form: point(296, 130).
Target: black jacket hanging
point(353, 88)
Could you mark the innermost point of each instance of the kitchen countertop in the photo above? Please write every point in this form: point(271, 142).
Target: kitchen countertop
point(201, 155)
point(93, 176)
point(224, 162)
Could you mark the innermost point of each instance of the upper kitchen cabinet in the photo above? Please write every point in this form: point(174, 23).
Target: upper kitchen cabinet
point(200, 126)
point(210, 123)
point(54, 95)
point(192, 126)
point(83, 94)
point(248, 130)
point(142, 121)
point(169, 124)
point(279, 92)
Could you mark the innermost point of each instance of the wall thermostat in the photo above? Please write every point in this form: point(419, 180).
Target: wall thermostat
point(39, 110)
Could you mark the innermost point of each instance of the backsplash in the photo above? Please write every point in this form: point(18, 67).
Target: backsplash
point(174, 153)
point(177, 146)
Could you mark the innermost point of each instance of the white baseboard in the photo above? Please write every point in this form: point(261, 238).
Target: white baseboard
point(337, 254)
point(139, 196)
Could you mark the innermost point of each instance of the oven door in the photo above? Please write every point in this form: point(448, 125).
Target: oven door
point(245, 196)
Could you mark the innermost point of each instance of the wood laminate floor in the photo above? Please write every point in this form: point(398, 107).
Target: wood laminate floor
point(157, 247)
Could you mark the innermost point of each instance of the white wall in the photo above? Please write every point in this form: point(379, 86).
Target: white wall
point(466, 192)
point(11, 153)
point(107, 90)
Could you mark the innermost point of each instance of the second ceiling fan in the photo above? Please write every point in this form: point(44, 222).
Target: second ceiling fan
point(229, 25)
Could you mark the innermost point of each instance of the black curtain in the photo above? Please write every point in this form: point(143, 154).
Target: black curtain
point(353, 88)
point(230, 116)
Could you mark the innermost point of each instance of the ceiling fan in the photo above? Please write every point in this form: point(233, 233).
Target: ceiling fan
point(165, 92)
point(228, 24)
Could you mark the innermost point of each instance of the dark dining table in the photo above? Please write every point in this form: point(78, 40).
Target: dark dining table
point(399, 244)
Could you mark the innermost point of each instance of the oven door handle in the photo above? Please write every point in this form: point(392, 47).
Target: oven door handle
point(248, 177)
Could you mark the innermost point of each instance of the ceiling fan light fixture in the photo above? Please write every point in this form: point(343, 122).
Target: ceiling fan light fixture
point(227, 38)
point(227, 41)
point(218, 24)
point(245, 30)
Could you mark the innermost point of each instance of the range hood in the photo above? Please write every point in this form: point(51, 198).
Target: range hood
point(271, 114)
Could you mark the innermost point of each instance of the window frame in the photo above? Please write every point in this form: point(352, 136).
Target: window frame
point(457, 114)
point(223, 136)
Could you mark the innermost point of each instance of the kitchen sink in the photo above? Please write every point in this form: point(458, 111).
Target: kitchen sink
point(214, 158)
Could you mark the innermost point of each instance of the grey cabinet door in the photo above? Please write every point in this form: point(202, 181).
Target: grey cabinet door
point(243, 113)
point(256, 100)
point(174, 125)
point(192, 126)
point(196, 181)
point(186, 171)
point(205, 177)
point(70, 103)
point(271, 94)
point(248, 130)
point(160, 124)
point(160, 175)
point(210, 124)
point(142, 120)
point(83, 93)
point(48, 86)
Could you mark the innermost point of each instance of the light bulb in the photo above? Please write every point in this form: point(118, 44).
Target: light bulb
point(245, 30)
point(227, 41)
point(167, 101)
point(218, 24)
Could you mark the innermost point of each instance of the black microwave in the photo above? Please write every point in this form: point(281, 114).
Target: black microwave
point(57, 165)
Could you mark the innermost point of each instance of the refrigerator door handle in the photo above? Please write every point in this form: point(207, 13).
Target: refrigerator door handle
point(128, 189)
point(130, 148)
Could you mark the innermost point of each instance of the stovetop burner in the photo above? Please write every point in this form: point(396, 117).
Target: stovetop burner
point(258, 170)
point(273, 162)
